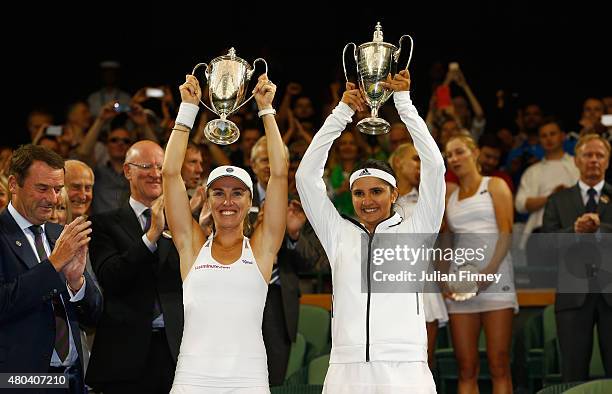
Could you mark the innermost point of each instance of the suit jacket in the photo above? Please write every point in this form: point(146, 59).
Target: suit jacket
point(131, 278)
point(561, 211)
point(27, 321)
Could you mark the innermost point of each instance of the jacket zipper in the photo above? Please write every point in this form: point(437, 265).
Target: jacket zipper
point(371, 238)
point(368, 304)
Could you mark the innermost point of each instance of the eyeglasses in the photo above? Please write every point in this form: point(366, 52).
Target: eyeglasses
point(115, 140)
point(147, 166)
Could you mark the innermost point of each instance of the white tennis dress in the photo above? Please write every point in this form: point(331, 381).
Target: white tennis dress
point(433, 302)
point(470, 219)
point(222, 349)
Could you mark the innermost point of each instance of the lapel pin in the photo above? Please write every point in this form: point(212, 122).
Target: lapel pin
point(604, 199)
point(17, 243)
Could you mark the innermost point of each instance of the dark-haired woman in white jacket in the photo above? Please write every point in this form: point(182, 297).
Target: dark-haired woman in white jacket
point(379, 342)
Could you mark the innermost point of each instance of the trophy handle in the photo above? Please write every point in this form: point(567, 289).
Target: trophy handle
point(397, 53)
point(205, 75)
point(249, 75)
point(344, 57)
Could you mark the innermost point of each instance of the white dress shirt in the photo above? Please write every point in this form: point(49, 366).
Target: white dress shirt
point(584, 189)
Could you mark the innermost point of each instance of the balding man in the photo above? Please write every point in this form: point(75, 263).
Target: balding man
point(79, 180)
point(138, 338)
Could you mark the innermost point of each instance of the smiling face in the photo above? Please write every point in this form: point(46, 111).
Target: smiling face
point(39, 193)
point(373, 200)
point(79, 185)
point(145, 184)
point(230, 201)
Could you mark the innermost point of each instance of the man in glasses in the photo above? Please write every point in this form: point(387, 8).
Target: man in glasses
point(139, 335)
point(111, 188)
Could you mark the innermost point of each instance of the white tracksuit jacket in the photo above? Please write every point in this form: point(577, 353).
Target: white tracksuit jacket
point(371, 326)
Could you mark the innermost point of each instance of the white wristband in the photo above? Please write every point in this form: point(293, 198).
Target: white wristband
point(267, 111)
point(187, 114)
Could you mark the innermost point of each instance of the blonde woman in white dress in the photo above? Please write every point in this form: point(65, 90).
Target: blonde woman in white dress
point(225, 277)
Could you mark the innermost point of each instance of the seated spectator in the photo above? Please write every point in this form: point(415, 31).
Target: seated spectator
point(111, 189)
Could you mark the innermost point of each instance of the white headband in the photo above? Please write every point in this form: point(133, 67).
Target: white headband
point(373, 172)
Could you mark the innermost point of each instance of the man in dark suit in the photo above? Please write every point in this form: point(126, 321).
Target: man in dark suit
point(44, 291)
point(583, 209)
point(280, 318)
point(139, 335)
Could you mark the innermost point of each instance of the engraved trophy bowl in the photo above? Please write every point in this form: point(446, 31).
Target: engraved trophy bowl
point(228, 77)
point(463, 290)
point(375, 61)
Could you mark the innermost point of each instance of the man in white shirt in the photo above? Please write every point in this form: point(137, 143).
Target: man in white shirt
point(555, 172)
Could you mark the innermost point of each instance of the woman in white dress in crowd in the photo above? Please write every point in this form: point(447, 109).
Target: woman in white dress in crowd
point(225, 277)
point(407, 166)
point(480, 212)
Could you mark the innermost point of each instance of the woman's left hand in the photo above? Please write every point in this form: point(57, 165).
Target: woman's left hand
point(190, 90)
point(400, 82)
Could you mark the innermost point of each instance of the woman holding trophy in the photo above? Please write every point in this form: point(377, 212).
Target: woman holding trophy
point(379, 340)
point(225, 277)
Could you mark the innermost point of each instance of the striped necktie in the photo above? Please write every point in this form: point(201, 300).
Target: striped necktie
point(62, 342)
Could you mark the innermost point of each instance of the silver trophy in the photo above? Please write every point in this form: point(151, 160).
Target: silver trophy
point(375, 60)
point(228, 77)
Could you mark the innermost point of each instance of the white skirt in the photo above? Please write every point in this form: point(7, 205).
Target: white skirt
point(435, 308)
point(189, 389)
point(379, 377)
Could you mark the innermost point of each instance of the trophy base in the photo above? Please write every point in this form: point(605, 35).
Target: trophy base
point(373, 126)
point(221, 131)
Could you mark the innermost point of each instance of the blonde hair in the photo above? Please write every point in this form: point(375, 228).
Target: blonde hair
point(264, 141)
point(590, 137)
point(400, 152)
point(467, 139)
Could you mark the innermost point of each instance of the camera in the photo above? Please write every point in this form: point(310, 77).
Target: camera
point(54, 131)
point(154, 92)
point(118, 107)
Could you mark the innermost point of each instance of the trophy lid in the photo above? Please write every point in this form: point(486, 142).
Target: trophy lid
point(378, 34)
point(377, 39)
point(231, 55)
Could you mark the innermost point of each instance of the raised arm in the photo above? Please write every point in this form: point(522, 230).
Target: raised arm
point(187, 235)
point(319, 210)
point(268, 237)
point(429, 210)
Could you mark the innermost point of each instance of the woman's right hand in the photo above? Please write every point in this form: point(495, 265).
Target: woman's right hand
point(352, 97)
point(190, 90)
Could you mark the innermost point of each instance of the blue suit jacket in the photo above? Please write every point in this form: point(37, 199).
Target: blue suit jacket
point(27, 323)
